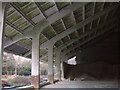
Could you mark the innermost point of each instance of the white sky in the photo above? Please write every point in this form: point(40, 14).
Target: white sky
point(21, 58)
point(72, 61)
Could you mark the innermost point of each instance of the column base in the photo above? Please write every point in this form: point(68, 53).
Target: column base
point(51, 79)
point(59, 77)
point(35, 81)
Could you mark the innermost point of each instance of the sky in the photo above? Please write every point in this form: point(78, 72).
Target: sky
point(72, 61)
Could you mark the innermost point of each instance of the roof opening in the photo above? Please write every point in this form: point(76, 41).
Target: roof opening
point(72, 61)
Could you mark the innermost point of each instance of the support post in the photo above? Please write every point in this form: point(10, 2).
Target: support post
point(2, 21)
point(35, 78)
point(50, 64)
point(62, 71)
point(57, 64)
point(64, 58)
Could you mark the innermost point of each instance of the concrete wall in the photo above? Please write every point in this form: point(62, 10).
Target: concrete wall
point(99, 60)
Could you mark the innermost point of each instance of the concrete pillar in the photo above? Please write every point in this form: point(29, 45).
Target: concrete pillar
point(35, 78)
point(62, 71)
point(2, 19)
point(63, 59)
point(57, 64)
point(50, 64)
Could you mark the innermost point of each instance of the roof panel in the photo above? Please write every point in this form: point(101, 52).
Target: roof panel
point(95, 23)
point(38, 18)
point(30, 6)
point(29, 9)
point(51, 11)
point(87, 27)
point(98, 6)
point(70, 46)
point(12, 18)
point(61, 5)
point(107, 4)
point(24, 25)
point(49, 32)
point(9, 32)
point(78, 15)
point(69, 20)
point(58, 43)
point(43, 51)
point(110, 15)
point(33, 13)
point(26, 43)
point(80, 31)
point(18, 22)
point(77, 42)
point(65, 39)
point(58, 26)
point(42, 39)
point(16, 49)
point(89, 9)
point(102, 19)
point(64, 49)
point(21, 24)
point(92, 34)
point(10, 11)
point(86, 37)
point(73, 35)
point(46, 5)
point(22, 4)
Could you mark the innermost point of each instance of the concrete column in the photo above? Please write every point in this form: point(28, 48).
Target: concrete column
point(62, 71)
point(2, 7)
point(35, 78)
point(57, 64)
point(64, 59)
point(50, 64)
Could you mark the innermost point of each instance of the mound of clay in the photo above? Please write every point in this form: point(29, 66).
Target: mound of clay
point(85, 77)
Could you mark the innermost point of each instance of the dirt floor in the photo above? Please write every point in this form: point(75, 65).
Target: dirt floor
point(84, 84)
